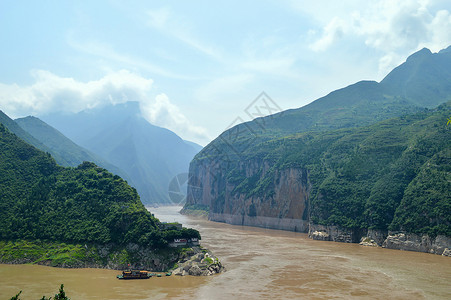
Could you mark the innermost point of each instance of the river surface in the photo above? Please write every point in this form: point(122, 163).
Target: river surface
point(261, 264)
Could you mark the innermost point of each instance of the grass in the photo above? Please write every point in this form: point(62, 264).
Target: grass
point(42, 252)
point(208, 260)
point(57, 254)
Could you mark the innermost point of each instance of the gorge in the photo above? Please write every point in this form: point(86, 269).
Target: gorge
point(370, 162)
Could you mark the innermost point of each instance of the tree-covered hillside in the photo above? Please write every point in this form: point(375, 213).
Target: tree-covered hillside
point(40, 200)
point(395, 174)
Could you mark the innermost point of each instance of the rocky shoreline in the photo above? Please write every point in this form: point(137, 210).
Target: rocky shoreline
point(440, 245)
point(196, 260)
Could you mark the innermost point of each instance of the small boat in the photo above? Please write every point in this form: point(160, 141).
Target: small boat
point(134, 274)
point(168, 273)
point(158, 275)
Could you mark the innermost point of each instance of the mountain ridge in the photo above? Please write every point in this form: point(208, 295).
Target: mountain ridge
point(56, 142)
point(335, 152)
point(150, 155)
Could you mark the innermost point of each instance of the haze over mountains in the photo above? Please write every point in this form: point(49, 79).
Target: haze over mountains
point(151, 156)
point(65, 151)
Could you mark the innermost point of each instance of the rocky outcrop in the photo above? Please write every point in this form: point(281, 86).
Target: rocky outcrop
point(366, 241)
point(440, 245)
point(283, 205)
point(421, 243)
point(198, 262)
point(333, 233)
point(373, 238)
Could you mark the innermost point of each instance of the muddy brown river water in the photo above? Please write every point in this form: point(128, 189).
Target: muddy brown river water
point(261, 264)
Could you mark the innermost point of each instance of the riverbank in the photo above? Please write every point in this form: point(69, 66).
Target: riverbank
point(440, 244)
point(64, 255)
point(261, 264)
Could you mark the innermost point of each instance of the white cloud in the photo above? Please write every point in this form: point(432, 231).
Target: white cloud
point(163, 113)
point(51, 93)
point(395, 28)
point(333, 31)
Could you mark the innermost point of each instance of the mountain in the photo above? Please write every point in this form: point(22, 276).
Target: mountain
point(420, 82)
point(151, 156)
point(360, 160)
point(69, 153)
point(87, 205)
point(17, 130)
point(423, 79)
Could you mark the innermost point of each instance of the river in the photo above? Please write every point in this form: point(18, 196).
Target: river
point(261, 264)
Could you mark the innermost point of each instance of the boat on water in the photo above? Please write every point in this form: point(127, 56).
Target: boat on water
point(134, 274)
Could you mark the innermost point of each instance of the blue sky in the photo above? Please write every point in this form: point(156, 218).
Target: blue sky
point(196, 65)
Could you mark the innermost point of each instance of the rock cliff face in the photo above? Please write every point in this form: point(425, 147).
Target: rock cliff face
point(284, 207)
point(333, 233)
point(440, 245)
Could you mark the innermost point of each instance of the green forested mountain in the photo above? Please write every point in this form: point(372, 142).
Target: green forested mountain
point(150, 155)
point(371, 155)
point(40, 200)
point(21, 133)
point(70, 154)
point(395, 174)
point(424, 79)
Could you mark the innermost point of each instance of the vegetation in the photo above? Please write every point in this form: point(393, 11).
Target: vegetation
point(376, 155)
point(394, 174)
point(42, 201)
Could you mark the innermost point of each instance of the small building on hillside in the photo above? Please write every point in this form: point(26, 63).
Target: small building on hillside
point(184, 242)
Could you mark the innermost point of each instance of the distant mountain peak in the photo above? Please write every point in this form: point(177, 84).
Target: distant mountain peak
point(425, 52)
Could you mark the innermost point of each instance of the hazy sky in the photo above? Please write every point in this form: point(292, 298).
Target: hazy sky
point(196, 65)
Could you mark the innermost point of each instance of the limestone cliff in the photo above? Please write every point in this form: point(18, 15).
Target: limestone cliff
point(283, 206)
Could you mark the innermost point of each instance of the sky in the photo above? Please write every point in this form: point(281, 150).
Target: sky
point(196, 66)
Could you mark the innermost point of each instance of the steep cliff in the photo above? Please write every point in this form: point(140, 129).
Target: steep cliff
point(339, 185)
point(230, 201)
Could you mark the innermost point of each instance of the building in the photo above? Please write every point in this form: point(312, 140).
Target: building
point(184, 242)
